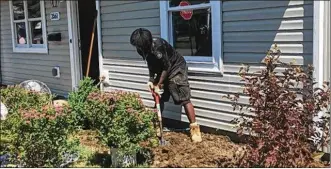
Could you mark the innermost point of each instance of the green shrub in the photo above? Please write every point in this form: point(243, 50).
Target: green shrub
point(122, 120)
point(15, 97)
point(77, 102)
point(42, 135)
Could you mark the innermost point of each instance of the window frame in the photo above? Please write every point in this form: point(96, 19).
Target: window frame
point(29, 48)
point(197, 63)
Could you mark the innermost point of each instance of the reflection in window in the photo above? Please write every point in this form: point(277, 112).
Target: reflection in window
point(174, 3)
point(36, 32)
point(21, 33)
point(193, 37)
point(34, 8)
point(18, 9)
point(28, 34)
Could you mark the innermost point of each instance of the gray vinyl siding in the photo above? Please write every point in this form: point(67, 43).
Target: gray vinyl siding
point(120, 18)
point(17, 67)
point(251, 27)
point(249, 30)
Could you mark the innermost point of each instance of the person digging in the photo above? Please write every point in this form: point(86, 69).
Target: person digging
point(171, 74)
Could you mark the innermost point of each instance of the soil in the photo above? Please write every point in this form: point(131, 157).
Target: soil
point(213, 151)
point(89, 139)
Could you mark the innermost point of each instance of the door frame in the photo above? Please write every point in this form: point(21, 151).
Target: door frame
point(74, 43)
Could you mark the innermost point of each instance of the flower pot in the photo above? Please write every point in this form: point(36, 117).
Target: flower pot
point(118, 160)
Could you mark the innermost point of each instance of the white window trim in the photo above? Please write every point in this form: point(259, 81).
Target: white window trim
point(38, 48)
point(196, 63)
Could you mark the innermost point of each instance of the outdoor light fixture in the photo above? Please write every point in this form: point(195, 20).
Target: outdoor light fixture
point(55, 3)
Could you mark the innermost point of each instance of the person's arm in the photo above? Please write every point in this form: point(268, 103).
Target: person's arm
point(162, 54)
point(151, 75)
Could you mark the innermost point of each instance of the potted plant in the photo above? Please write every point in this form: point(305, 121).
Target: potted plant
point(123, 122)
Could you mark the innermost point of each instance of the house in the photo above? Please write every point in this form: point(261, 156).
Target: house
point(216, 38)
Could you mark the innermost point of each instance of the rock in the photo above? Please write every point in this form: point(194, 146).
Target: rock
point(59, 103)
point(3, 112)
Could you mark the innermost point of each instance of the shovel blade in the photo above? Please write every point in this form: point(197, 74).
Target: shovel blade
point(163, 142)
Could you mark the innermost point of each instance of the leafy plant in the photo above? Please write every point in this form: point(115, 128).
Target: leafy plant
point(284, 106)
point(77, 102)
point(42, 136)
point(122, 120)
point(16, 98)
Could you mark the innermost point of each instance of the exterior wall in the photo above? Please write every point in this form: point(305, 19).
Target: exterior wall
point(17, 67)
point(249, 29)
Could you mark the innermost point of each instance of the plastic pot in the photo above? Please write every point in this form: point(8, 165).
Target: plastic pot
point(118, 160)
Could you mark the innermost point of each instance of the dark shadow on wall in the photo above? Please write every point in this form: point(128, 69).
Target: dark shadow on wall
point(87, 10)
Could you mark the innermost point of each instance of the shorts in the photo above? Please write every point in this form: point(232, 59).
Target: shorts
point(178, 87)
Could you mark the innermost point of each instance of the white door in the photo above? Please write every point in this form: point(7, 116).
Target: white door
point(74, 43)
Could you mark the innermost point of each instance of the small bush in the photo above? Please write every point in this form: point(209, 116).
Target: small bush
point(42, 136)
point(34, 130)
point(283, 122)
point(15, 97)
point(77, 102)
point(121, 119)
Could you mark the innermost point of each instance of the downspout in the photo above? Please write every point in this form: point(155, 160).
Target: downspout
point(99, 35)
point(320, 42)
point(328, 55)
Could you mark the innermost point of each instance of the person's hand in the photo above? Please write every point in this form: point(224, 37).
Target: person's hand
point(150, 86)
point(158, 89)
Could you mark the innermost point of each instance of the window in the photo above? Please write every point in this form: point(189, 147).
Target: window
point(28, 26)
point(197, 38)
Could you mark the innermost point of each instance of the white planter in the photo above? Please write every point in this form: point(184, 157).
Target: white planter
point(126, 161)
point(3, 112)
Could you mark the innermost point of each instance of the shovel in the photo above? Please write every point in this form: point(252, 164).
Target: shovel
point(159, 115)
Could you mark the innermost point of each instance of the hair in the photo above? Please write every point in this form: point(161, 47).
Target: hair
point(141, 38)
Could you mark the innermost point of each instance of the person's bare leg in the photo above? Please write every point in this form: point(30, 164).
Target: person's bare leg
point(189, 110)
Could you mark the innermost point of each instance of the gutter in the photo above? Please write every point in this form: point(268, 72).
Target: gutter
point(99, 35)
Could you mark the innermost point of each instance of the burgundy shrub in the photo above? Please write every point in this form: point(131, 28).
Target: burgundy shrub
point(284, 104)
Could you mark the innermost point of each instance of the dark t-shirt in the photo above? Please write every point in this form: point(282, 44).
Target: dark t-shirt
point(164, 57)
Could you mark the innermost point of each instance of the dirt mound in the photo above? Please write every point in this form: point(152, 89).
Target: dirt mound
point(213, 151)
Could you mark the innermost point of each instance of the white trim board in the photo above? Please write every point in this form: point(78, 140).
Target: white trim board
point(73, 32)
point(320, 43)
